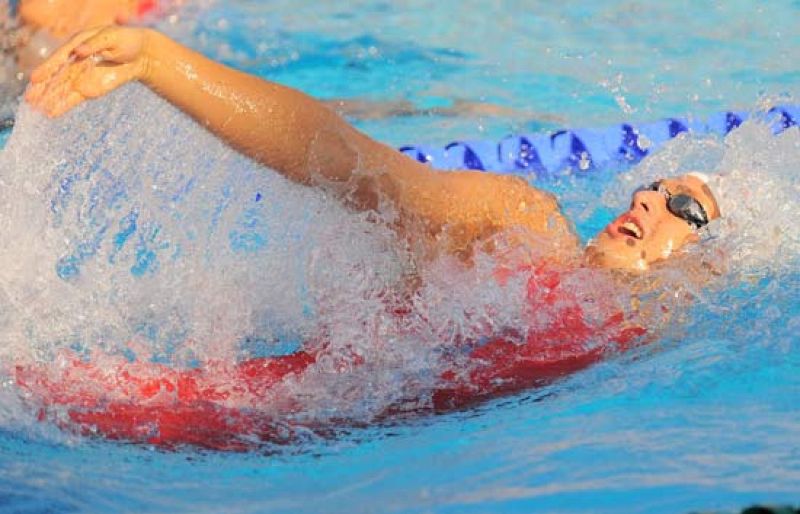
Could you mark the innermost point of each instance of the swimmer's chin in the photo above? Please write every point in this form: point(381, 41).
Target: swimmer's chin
point(596, 256)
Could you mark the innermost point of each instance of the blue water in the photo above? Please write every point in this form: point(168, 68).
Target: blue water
point(705, 421)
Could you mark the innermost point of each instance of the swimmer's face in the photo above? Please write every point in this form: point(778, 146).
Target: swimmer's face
point(649, 231)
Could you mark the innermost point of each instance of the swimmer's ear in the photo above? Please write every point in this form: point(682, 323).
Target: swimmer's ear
point(693, 238)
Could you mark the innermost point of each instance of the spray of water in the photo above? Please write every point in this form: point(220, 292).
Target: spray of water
point(753, 177)
point(145, 239)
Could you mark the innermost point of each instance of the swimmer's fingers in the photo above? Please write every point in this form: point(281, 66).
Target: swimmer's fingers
point(58, 96)
point(63, 104)
point(68, 94)
point(95, 81)
point(60, 57)
point(41, 95)
point(93, 63)
point(113, 44)
point(34, 93)
point(69, 87)
point(102, 80)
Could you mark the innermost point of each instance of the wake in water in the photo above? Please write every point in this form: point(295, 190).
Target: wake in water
point(147, 240)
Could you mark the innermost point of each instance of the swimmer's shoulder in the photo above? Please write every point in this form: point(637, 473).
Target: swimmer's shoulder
point(508, 196)
point(502, 184)
point(492, 202)
point(522, 208)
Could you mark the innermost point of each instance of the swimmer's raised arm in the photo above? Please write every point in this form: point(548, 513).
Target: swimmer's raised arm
point(275, 125)
point(293, 134)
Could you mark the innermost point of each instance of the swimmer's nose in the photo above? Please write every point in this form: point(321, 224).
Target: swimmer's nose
point(647, 201)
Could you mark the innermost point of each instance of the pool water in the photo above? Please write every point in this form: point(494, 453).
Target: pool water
point(573, 65)
point(705, 419)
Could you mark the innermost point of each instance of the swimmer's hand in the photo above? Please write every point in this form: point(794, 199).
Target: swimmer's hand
point(91, 64)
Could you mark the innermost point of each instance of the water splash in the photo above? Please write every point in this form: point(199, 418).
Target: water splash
point(147, 239)
point(150, 240)
point(151, 230)
point(753, 176)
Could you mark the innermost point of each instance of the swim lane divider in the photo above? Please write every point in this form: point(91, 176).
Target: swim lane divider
point(583, 150)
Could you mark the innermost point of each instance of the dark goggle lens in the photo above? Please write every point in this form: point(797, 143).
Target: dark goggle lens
point(681, 205)
point(688, 209)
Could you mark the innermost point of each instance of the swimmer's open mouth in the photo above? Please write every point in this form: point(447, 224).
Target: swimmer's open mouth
point(631, 227)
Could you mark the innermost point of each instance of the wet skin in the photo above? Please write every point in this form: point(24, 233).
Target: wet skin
point(303, 140)
point(648, 232)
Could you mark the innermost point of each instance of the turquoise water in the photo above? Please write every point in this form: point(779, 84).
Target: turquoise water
point(707, 421)
point(573, 65)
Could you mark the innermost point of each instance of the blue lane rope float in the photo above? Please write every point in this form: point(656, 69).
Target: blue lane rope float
point(583, 150)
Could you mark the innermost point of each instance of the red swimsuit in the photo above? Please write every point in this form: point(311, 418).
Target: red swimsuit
point(217, 406)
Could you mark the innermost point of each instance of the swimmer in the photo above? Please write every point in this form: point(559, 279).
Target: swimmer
point(452, 212)
point(436, 213)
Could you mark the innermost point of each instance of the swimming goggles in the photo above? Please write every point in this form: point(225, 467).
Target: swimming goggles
point(681, 205)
